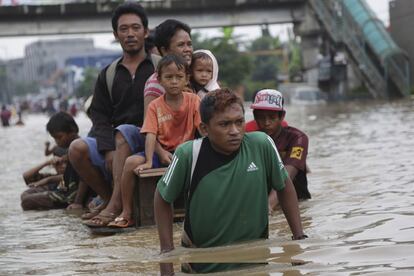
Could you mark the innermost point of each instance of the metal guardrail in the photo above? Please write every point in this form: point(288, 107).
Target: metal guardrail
point(342, 28)
point(340, 32)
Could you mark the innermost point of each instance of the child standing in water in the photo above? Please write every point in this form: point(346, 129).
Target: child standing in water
point(171, 119)
point(204, 72)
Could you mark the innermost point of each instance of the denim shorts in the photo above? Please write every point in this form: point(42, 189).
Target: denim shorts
point(132, 135)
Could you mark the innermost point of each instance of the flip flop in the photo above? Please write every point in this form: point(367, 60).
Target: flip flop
point(103, 218)
point(121, 222)
point(90, 214)
point(93, 212)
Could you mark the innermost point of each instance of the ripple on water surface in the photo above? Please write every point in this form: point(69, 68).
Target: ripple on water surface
point(360, 217)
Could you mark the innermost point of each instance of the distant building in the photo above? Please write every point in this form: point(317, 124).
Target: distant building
point(401, 27)
point(49, 64)
point(97, 59)
point(44, 57)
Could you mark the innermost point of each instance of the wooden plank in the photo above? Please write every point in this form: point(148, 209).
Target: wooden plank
point(151, 172)
point(145, 185)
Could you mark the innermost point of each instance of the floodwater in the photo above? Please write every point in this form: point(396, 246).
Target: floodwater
point(360, 219)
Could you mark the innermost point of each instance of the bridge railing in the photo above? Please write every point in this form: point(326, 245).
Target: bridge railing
point(384, 66)
point(342, 29)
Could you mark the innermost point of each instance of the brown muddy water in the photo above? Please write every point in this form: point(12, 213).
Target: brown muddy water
point(360, 219)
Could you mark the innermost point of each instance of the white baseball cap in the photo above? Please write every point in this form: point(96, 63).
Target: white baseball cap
point(268, 99)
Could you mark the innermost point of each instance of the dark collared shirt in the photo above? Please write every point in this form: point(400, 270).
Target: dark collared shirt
point(126, 105)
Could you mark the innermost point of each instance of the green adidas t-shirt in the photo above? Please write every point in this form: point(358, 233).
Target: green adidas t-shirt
point(229, 203)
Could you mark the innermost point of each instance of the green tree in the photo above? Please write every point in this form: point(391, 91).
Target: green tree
point(266, 59)
point(295, 60)
point(87, 86)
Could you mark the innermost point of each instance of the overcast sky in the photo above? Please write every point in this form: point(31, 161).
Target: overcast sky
point(14, 47)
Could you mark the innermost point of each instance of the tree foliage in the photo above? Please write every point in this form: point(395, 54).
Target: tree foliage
point(265, 66)
point(295, 60)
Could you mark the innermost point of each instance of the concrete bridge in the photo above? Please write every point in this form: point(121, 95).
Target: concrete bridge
point(349, 25)
point(94, 17)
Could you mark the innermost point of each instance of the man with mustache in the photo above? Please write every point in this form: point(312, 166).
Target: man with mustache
point(226, 177)
point(170, 37)
point(122, 103)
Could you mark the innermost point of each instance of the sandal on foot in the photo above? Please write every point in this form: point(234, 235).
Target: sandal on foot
point(90, 214)
point(121, 222)
point(93, 212)
point(100, 220)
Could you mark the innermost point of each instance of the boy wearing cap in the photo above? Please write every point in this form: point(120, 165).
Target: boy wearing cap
point(292, 144)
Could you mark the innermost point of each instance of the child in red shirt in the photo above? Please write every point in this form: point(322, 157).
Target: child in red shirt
point(170, 120)
point(291, 143)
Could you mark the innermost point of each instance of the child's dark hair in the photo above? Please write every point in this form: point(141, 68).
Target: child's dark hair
point(199, 55)
point(217, 101)
point(62, 122)
point(177, 60)
point(128, 8)
point(166, 30)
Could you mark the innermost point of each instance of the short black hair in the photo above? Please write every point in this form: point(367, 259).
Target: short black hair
point(217, 101)
point(62, 122)
point(166, 30)
point(149, 41)
point(128, 8)
point(171, 58)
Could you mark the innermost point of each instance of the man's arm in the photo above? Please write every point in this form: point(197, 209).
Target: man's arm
point(292, 171)
point(273, 200)
point(164, 219)
point(101, 115)
point(289, 203)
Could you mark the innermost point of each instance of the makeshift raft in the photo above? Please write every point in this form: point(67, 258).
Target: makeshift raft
point(145, 185)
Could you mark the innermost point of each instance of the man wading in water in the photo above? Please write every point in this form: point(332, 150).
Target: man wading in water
point(227, 177)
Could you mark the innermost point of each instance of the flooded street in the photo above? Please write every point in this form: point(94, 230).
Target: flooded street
point(360, 219)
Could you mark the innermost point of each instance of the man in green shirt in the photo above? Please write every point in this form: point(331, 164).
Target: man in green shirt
point(226, 178)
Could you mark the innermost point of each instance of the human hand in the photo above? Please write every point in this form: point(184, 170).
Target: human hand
point(109, 156)
point(74, 206)
point(56, 160)
point(145, 166)
point(188, 89)
point(165, 157)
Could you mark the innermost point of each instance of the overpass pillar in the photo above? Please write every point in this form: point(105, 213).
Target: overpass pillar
point(310, 33)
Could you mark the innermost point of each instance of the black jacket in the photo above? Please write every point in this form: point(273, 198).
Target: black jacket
point(125, 107)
